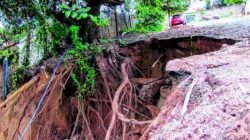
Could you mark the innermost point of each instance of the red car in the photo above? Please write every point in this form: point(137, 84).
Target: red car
point(177, 20)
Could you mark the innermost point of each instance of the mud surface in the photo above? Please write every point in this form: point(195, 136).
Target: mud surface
point(219, 106)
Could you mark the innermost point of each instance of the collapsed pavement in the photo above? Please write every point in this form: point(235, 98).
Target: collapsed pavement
point(218, 98)
point(187, 85)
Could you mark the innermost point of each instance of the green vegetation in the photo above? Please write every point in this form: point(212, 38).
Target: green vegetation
point(1, 30)
point(176, 6)
point(5, 53)
point(84, 76)
point(52, 26)
point(78, 13)
point(11, 34)
point(232, 2)
point(18, 77)
point(75, 11)
point(50, 36)
point(150, 16)
point(53, 30)
point(18, 71)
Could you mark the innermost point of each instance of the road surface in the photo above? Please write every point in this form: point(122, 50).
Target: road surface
point(230, 20)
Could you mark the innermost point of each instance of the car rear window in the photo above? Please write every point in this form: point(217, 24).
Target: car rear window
point(176, 16)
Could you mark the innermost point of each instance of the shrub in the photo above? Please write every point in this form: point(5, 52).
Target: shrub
point(150, 17)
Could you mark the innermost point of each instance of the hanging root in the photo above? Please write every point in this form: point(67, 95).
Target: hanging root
point(115, 101)
point(115, 109)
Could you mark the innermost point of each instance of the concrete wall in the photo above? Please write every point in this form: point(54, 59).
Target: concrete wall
point(123, 20)
point(110, 31)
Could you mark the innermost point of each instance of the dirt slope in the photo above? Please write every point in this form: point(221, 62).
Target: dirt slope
point(219, 104)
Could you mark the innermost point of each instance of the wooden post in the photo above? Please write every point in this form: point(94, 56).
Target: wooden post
point(169, 22)
point(116, 23)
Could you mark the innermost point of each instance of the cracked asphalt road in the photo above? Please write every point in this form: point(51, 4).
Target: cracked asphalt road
point(231, 28)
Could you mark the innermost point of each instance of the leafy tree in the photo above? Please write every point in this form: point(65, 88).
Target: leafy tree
point(30, 13)
point(150, 16)
point(151, 13)
point(59, 23)
point(176, 6)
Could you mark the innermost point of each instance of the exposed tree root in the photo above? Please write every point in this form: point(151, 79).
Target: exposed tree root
point(115, 111)
point(115, 101)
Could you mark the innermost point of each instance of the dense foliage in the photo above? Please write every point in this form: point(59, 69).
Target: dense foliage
point(150, 16)
point(17, 77)
point(231, 2)
point(55, 26)
point(176, 6)
point(84, 76)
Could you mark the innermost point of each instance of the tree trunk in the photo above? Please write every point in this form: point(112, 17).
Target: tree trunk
point(93, 31)
point(27, 50)
point(116, 23)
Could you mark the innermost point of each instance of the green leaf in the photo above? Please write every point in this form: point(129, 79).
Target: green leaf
point(78, 18)
point(74, 7)
point(64, 7)
point(67, 14)
point(1, 30)
point(74, 15)
point(93, 18)
point(84, 15)
point(87, 9)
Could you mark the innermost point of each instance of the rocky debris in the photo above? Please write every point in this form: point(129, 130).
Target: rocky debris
point(219, 105)
point(149, 90)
